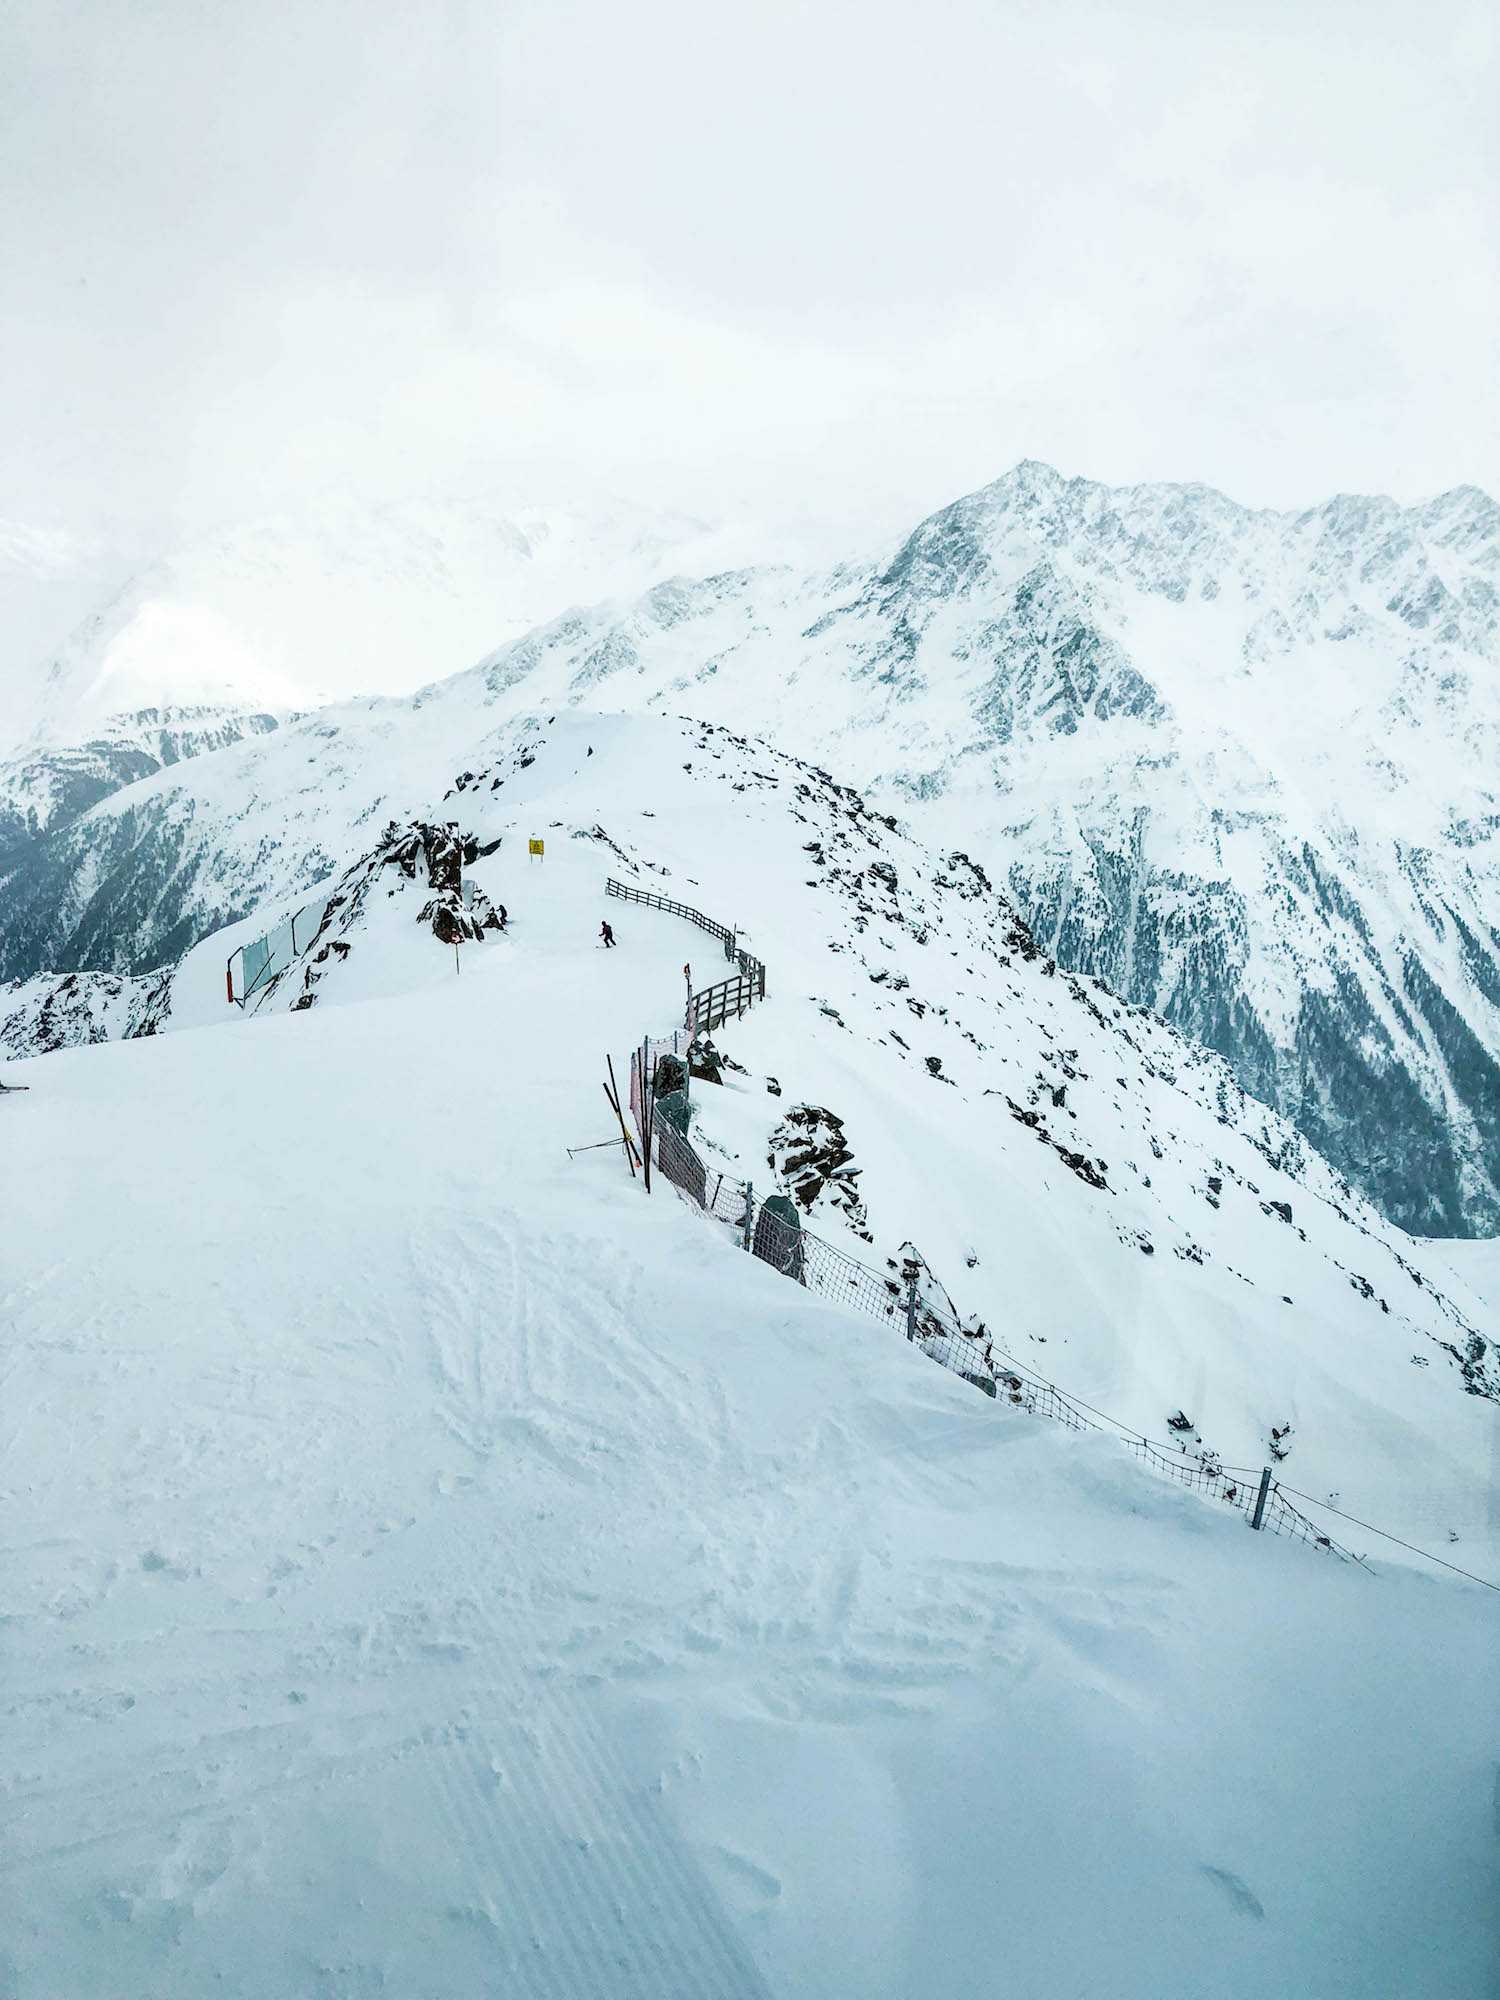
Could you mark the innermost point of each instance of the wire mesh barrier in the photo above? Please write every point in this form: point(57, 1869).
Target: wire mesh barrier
point(680, 1163)
point(644, 1064)
point(1256, 1495)
point(833, 1274)
point(256, 964)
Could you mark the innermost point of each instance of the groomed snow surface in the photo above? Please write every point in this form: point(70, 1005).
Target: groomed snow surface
point(432, 1568)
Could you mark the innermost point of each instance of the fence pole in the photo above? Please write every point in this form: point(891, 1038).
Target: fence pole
point(749, 1214)
point(648, 1113)
point(911, 1301)
point(1260, 1499)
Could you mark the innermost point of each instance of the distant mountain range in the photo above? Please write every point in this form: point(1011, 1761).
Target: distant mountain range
point(1243, 765)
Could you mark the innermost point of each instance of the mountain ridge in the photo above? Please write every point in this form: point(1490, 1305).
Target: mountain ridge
point(1238, 762)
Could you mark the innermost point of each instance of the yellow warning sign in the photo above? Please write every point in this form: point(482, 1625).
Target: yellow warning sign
point(536, 846)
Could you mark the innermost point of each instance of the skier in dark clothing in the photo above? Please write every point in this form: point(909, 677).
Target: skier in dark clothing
point(500, 913)
point(607, 934)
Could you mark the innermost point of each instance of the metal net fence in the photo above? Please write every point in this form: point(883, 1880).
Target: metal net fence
point(972, 1353)
point(893, 1296)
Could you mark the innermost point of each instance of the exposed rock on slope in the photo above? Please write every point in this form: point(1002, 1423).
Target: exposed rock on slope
point(813, 1160)
point(64, 1011)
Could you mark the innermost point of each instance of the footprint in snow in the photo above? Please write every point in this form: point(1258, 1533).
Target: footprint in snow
point(154, 1562)
point(1239, 1893)
point(748, 1872)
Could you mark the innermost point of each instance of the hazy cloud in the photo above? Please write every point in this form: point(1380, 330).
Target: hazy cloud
point(836, 255)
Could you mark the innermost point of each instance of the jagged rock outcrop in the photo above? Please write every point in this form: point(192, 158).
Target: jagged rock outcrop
point(71, 1009)
point(814, 1162)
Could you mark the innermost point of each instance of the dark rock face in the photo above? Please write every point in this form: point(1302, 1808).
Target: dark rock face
point(814, 1162)
point(445, 914)
point(445, 859)
point(454, 921)
point(669, 1075)
point(777, 1236)
point(1382, 1071)
point(673, 1110)
point(45, 1013)
point(456, 912)
point(705, 1064)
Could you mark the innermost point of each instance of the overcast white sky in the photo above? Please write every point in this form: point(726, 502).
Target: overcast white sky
point(823, 256)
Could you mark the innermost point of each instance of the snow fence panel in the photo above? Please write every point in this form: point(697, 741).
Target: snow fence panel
point(254, 965)
point(309, 921)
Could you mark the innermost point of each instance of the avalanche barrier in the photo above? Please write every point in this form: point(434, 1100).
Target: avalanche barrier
point(259, 961)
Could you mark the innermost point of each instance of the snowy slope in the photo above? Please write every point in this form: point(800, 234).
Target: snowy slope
point(432, 1567)
point(1078, 1176)
point(47, 786)
point(131, 883)
point(50, 579)
point(1478, 1264)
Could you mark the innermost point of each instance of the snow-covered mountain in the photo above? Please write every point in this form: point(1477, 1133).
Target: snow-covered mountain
point(227, 636)
point(50, 785)
point(1241, 764)
point(50, 580)
point(72, 1010)
point(414, 1530)
point(1244, 765)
